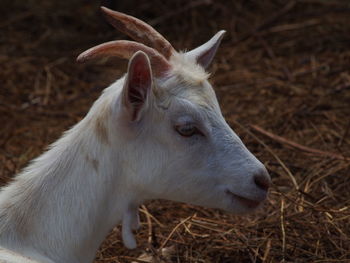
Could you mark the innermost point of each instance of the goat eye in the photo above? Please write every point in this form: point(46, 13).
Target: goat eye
point(187, 130)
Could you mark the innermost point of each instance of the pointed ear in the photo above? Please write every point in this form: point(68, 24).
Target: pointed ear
point(205, 53)
point(138, 84)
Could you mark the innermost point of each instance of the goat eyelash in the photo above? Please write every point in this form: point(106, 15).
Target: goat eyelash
point(191, 130)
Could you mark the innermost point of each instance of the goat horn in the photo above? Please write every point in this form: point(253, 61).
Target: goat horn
point(126, 49)
point(139, 31)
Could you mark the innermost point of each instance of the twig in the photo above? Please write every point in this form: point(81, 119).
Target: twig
point(128, 258)
point(267, 250)
point(295, 26)
point(173, 231)
point(146, 212)
point(149, 224)
point(298, 146)
point(283, 231)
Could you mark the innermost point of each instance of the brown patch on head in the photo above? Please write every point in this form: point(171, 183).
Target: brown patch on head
point(100, 124)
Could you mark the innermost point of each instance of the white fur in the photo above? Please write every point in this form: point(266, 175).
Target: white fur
point(62, 206)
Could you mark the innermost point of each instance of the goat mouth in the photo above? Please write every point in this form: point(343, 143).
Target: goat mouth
point(245, 201)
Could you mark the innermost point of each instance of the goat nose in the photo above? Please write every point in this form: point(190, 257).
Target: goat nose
point(262, 180)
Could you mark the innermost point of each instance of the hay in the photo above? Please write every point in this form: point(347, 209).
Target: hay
point(282, 77)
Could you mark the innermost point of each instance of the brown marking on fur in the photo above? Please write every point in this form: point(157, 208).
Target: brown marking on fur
point(101, 131)
point(100, 124)
point(94, 163)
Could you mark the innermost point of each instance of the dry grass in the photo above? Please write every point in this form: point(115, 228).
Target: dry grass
point(282, 76)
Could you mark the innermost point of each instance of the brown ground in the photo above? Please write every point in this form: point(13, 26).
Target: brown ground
point(283, 67)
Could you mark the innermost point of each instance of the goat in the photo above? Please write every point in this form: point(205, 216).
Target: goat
point(156, 133)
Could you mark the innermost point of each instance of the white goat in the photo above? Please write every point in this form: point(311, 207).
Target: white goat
point(157, 132)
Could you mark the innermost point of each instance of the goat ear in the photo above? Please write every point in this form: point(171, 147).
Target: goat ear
point(205, 53)
point(137, 85)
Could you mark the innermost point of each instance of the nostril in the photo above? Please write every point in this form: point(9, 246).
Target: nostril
point(262, 181)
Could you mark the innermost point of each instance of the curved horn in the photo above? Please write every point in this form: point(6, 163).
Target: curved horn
point(126, 49)
point(139, 31)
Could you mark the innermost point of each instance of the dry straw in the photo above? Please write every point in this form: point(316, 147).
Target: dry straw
point(282, 77)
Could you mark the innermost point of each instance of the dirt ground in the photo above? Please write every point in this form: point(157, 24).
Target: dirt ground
point(282, 76)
